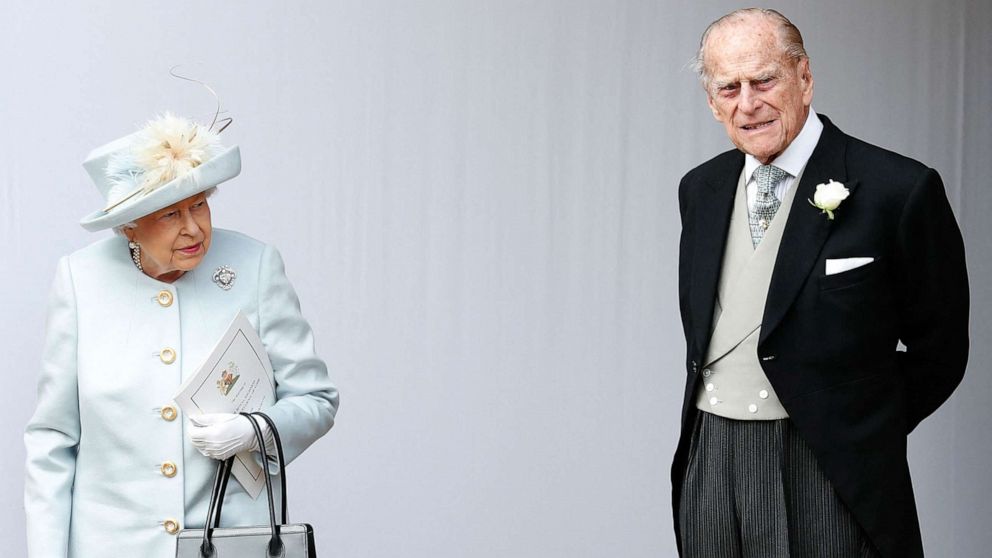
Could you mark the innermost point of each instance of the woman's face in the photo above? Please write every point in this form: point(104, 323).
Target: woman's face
point(174, 239)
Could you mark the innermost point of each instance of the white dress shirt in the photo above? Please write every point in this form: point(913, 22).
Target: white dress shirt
point(792, 160)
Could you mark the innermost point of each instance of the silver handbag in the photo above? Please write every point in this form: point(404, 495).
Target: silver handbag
point(275, 540)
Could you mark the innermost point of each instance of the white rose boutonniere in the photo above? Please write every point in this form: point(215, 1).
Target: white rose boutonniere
point(828, 197)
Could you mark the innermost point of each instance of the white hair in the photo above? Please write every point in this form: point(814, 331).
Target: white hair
point(119, 229)
point(790, 39)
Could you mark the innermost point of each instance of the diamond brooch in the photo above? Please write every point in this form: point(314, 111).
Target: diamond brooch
point(224, 277)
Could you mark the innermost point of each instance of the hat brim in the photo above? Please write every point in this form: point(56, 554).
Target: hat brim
point(222, 167)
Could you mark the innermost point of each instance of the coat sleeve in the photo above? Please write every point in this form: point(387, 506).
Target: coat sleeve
point(53, 432)
point(933, 299)
point(306, 400)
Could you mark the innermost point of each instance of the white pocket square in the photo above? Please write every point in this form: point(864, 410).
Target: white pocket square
point(841, 265)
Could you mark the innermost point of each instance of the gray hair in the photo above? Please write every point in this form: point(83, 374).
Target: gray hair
point(790, 39)
point(119, 229)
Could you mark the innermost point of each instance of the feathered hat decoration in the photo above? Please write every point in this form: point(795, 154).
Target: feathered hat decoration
point(167, 160)
point(167, 148)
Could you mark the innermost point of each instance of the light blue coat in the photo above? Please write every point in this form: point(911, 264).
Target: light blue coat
point(98, 439)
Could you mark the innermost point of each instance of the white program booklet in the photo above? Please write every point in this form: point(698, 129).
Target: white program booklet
point(236, 377)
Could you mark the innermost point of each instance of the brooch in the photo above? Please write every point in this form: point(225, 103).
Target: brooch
point(224, 277)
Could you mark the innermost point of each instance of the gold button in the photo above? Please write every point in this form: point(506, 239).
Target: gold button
point(167, 355)
point(164, 298)
point(169, 413)
point(171, 526)
point(169, 469)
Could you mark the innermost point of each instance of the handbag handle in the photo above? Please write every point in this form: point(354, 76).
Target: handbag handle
point(216, 502)
point(281, 458)
point(275, 549)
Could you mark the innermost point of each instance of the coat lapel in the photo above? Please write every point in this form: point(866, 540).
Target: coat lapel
point(743, 305)
point(712, 220)
point(807, 228)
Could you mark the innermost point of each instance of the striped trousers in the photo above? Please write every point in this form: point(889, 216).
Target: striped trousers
point(753, 489)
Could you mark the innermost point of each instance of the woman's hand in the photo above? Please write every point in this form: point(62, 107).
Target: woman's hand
point(221, 435)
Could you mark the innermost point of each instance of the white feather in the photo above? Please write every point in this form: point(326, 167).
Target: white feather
point(167, 148)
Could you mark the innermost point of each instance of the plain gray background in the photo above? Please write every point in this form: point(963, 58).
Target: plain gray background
point(477, 203)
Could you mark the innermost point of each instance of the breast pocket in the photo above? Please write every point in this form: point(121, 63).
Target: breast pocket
point(850, 278)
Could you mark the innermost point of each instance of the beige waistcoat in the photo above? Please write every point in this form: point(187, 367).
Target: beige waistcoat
point(734, 384)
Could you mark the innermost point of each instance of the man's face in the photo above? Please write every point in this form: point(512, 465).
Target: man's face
point(760, 95)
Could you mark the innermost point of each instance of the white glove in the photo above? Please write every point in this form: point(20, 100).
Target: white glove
point(221, 435)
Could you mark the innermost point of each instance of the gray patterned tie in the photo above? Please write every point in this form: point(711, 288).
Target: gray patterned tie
point(766, 204)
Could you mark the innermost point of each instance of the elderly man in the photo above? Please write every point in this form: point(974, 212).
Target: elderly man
point(824, 299)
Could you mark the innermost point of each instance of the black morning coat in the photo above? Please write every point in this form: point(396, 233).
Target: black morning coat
point(828, 344)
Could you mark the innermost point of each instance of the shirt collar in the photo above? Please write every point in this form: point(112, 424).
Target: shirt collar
point(796, 155)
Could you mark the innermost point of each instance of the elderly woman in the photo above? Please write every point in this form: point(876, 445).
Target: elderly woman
point(112, 467)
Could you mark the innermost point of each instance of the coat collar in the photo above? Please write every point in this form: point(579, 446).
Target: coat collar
point(712, 223)
point(807, 229)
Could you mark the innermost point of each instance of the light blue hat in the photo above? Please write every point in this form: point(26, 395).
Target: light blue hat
point(167, 161)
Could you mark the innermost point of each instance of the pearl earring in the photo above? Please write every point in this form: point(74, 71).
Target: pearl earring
point(135, 254)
